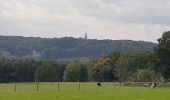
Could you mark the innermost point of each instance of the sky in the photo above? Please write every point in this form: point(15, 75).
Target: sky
point(101, 19)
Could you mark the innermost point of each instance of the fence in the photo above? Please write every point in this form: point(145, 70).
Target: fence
point(62, 86)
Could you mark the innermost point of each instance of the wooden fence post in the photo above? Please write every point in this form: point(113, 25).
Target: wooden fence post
point(58, 86)
point(79, 84)
point(15, 87)
point(37, 83)
point(164, 83)
point(97, 87)
point(114, 84)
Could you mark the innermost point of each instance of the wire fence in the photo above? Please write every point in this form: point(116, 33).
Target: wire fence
point(63, 86)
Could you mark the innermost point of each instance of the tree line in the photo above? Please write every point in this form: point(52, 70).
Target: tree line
point(137, 65)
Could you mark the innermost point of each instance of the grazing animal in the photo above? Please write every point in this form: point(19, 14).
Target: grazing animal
point(153, 85)
point(146, 85)
point(99, 84)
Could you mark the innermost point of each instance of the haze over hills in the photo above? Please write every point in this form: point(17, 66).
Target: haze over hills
point(66, 47)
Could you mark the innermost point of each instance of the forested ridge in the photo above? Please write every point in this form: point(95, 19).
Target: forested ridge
point(120, 65)
point(65, 48)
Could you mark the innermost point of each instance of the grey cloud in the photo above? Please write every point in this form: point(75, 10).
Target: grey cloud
point(116, 19)
point(131, 11)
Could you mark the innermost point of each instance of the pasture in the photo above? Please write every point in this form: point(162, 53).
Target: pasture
point(79, 91)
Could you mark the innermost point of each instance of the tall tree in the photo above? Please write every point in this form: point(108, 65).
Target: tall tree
point(162, 55)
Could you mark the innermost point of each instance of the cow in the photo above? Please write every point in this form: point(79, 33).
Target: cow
point(146, 85)
point(153, 85)
point(99, 84)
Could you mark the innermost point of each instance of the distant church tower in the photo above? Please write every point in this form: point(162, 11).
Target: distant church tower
point(85, 37)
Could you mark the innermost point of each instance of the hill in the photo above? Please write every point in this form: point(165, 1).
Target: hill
point(66, 47)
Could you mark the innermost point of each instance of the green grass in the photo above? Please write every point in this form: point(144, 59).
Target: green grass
point(88, 91)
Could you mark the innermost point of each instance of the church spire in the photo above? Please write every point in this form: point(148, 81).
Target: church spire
point(85, 37)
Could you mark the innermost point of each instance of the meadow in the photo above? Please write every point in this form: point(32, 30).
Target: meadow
point(79, 91)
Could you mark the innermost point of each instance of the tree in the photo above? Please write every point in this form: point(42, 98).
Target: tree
point(47, 71)
point(24, 70)
point(162, 55)
point(106, 73)
point(145, 75)
point(102, 70)
point(6, 70)
point(129, 62)
point(75, 71)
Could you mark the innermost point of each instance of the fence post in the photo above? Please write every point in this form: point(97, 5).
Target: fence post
point(164, 83)
point(132, 83)
point(58, 86)
point(79, 84)
point(114, 84)
point(15, 87)
point(97, 87)
point(37, 86)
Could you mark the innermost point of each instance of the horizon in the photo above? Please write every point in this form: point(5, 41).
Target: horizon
point(101, 19)
point(72, 37)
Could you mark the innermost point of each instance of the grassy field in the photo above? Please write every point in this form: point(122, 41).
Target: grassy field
point(88, 91)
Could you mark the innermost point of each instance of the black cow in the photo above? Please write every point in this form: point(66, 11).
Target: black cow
point(99, 84)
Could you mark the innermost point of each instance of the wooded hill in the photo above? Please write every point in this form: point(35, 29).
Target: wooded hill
point(66, 47)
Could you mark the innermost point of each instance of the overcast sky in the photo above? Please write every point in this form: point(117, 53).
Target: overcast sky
point(101, 19)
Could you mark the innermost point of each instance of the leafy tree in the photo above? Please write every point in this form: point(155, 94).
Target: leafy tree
point(25, 70)
point(6, 70)
point(129, 62)
point(102, 70)
point(145, 75)
point(75, 71)
point(47, 71)
point(106, 73)
point(162, 55)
